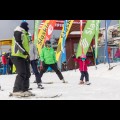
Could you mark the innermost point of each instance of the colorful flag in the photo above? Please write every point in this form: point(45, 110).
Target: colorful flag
point(42, 35)
point(50, 29)
point(37, 22)
point(69, 24)
point(87, 35)
point(81, 35)
point(63, 54)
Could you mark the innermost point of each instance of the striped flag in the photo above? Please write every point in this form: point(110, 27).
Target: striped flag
point(81, 35)
point(87, 35)
point(63, 55)
point(68, 26)
point(50, 29)
point(97, 27)
point(37, 22)
point(42, 35)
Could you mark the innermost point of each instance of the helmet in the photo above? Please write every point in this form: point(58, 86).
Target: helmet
point(83, 56)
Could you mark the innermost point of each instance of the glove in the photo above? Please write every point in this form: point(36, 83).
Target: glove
point(41, 66)
point(73, 56)
point(55, 64)
point(28, 58)
point(25, 53)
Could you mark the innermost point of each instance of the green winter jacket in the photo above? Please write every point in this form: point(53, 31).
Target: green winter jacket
point(48, 55)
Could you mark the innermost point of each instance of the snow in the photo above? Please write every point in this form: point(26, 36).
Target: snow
point(105, 85)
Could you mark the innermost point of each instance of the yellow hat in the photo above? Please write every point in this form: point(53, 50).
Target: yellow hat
point(3, 53)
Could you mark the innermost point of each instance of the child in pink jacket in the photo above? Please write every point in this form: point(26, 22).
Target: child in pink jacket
point(83, 63)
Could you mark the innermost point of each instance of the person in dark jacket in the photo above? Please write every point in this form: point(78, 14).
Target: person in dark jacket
point(9, 63)
point(48, 59)
point(83, 63)
point(21, 60)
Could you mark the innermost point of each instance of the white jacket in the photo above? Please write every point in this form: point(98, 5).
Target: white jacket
point(33, 51)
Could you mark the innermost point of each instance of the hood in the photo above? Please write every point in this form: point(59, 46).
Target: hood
point(18, 28)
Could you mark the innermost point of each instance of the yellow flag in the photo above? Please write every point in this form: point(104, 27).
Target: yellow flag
point(42, 35)
point(59, 48)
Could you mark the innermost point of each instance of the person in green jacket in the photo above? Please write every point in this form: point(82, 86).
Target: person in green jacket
point(48, 59)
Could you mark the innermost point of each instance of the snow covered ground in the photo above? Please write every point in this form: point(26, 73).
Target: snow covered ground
point(105, 85)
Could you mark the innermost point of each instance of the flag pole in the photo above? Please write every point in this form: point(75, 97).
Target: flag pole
point(106, 48)
point(95, 47)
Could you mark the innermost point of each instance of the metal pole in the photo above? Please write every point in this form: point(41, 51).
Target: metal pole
point(107, 44)
point(95, 47)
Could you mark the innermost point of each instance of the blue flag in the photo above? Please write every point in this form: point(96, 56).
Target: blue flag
point(63, 57)
point(107, 23)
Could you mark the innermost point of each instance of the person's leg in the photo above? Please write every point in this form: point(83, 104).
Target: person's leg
point(28, 74)
point(3, 69)
point(87, 77)
point(59, 74)
point(42, 71)
point(35, 70)
point(82, 77)
point(8, 69)
point(21, 73)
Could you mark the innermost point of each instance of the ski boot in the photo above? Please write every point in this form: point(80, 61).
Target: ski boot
point(64, 81)
point(87, 83)
point(27, 94)
point(40, 86)
point(81, 82)
point(35, 81)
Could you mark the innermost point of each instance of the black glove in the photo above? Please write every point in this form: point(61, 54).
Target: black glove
point(73, 56)
point(28, 58)
point(55, 64)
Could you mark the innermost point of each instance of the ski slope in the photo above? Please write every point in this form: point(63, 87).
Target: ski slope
point(105, 85)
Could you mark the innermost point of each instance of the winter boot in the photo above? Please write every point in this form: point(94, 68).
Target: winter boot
point(35, 81)
point(64, 81)
point(20, 93)
point(40, 86)
point(87, 83)
point(28, 93)
point(81, 82)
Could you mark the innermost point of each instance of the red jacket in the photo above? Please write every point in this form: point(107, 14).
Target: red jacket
point(4, 60)
point(82, 64)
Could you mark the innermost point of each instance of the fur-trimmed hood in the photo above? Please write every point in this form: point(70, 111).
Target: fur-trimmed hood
point(18, 28)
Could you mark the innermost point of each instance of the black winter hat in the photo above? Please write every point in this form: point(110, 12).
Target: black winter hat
point(48, 42)
point(24, 25)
